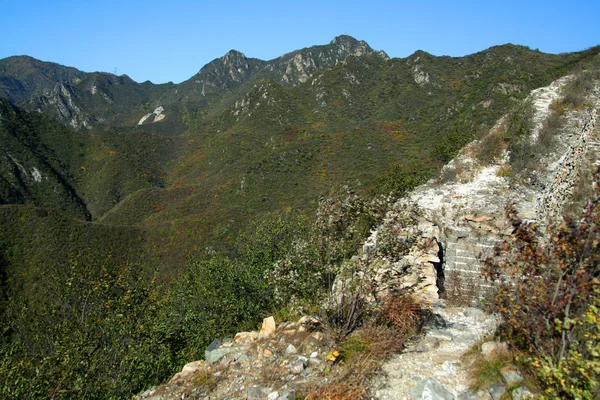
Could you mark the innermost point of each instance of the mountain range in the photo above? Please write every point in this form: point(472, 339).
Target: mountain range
point(244, 136)
point(99, 172)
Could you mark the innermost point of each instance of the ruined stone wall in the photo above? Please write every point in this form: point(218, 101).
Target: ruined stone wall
point(552, 199)
point(465, 252)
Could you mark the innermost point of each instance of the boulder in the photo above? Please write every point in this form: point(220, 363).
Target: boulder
point(497, 390)
point(510, 375)
point(187, 370)
point(493, 349)
point(216, 354)
point(245, 337)
point(429, 389)
point(268, 327)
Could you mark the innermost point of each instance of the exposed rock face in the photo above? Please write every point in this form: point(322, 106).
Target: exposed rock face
point(469, 210)
point(297, 67)
point(284, 359)
point(60, 102)
point(225, 72)
point(21, 77)
point(158, 115)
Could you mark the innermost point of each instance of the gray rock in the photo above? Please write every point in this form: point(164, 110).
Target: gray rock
point(427, 344)
point(458, 233)
point(497, 390)
point(298, 365)
point(291, 349)
point(430, 389)
point(510, 375)
point(468, 395)
point(437, 321)
point(439, 334)
point(149, 392)
point(256, 392)
point(287, 395)
point(522, 393)
point(476, 314)
point(213, 345)
point(215, 355)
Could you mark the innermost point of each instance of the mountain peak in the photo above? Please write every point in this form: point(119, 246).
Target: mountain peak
point(345, 39)
point(348, 45)
point(234, 54)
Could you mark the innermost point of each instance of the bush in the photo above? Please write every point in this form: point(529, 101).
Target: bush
point(548, 298)
point(491, 147)
point(400, 179)
point(518, 133)
point(98, 336)
point(550, 129)
point(363, 352)
point(574, 92)
point(302, 277)
point(214, 298)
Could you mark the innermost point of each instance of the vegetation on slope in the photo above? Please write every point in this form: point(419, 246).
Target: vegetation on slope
point(104, 308)
point(549, 297)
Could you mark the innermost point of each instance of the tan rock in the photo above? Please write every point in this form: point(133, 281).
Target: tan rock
point(425, 258)
point(268, 327)
point(427, 289)
point(493, 349)
point(500, 224)
point(308, 320)
point(187, 370)
point(483, 218)
point(318, 336)
point(267, 353)
point(245, 337)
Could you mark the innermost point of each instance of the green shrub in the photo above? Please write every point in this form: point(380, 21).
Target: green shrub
point(215, 298)
point(303, 276)
point(491, 147)
point(399, 179)
point(97, 336)
point(522, 154)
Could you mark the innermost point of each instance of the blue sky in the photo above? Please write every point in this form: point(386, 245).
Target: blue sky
point(171, 40)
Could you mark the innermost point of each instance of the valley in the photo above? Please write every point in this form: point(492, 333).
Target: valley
point(117, 197)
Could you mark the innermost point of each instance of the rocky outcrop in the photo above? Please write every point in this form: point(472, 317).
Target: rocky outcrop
point(158, 115)
point(567, 169)
point(297, 67)
point(278, 362)
point(60, 101)
point(469, 209)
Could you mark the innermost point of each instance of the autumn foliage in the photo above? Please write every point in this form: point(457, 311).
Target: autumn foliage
point(549, 298)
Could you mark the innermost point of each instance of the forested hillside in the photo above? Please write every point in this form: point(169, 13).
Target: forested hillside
point(159, 209)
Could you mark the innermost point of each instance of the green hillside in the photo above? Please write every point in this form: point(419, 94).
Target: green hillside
point(126, 206)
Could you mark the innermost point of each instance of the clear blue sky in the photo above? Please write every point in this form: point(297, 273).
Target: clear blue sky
point(171, 40)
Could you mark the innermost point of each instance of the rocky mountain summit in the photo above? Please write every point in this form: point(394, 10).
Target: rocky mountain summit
point(461, 219)
point(84, 100)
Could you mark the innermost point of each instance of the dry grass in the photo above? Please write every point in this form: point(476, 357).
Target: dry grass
point(491, 147)
point(205, 379)
point(363, 352)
